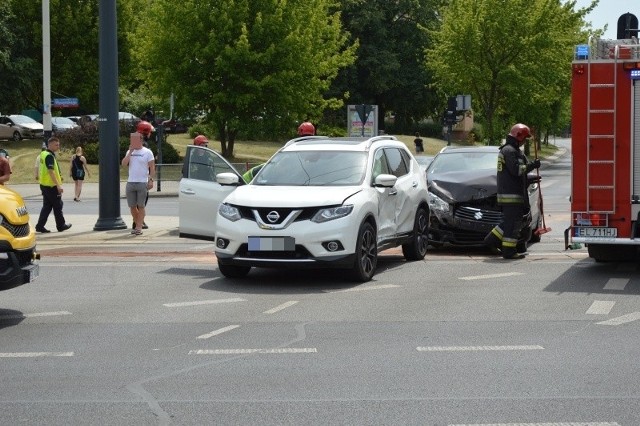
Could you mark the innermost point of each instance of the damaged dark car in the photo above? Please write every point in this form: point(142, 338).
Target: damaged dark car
point(462, 198)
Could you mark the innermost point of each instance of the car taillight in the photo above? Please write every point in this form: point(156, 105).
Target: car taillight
point(589, 219)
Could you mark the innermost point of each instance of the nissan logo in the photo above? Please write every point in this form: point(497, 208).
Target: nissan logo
point(273, 216)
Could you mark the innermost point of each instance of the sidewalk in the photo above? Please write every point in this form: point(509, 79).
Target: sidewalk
point(161, 239)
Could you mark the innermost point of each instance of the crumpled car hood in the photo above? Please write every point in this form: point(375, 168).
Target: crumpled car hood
point(464, 186)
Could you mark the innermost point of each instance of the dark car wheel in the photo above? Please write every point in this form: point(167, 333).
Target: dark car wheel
point(17, 136)
point(417, 248)
point(233, 271)
point(366, 254)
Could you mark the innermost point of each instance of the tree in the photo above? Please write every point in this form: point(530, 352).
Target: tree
point(512, 56)
point(244, 60)
point(389, 69)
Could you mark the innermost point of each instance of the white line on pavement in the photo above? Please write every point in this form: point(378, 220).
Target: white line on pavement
point(33, 354)
point(371, 287)
point(280, 307)
point(218, 331)
point(37, 314)
point(542, 424)
point(203, 302)
point(252, 351)
point(484, 277)
point(478, 348)
point(600, 307)
point(634, 316)
point(617, 284)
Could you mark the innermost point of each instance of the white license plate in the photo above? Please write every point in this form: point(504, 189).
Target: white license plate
point(272, 244)
point(596, 232)
point(34, 272)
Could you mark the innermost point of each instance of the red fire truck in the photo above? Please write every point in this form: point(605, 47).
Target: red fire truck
point(605, 175)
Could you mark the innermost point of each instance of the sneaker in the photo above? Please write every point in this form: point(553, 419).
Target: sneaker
point(144, 226)
point(64, 227)
point(42, 230)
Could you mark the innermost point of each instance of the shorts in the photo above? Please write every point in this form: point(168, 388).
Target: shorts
point(136, 194)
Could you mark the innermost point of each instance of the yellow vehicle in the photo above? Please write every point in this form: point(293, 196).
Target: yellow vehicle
point(17, 242)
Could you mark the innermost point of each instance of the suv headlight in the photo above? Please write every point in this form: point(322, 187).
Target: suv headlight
point(437, 204)
point(331, 213)
point(229, 212)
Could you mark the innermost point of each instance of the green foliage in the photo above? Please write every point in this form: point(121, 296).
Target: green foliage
point(428, 129)
point(241, 60)
point(169, 154)
point(513, 57)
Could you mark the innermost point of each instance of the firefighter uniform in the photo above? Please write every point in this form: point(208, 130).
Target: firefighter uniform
point(512, 195)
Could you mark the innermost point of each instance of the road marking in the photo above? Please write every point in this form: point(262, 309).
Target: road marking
point(37, 314)
point(484, 277)
point(218, 331)
point(252, 351)
point(478, 348)
point(280, 307)
point(203, 302)
point(542, 424)
point(617, 284)
point(366, 288)
point(600, 307)
point(33, 354)
point(634, 316)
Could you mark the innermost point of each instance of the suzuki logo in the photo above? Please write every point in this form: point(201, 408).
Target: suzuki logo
point(478, 216)
point(273, 216)
point(22, 211)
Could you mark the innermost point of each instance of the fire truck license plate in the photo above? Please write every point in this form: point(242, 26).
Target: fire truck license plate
point(597, 232)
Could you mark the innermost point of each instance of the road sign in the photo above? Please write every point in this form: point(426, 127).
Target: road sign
point(65, 103)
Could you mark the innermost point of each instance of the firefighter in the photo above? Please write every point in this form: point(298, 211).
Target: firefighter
point(512, 192)
point(306, 129)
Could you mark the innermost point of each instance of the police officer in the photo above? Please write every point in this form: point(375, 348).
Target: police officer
point(50, 179)
point(512, 192)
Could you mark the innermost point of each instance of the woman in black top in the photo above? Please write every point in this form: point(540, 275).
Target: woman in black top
point(78, 171)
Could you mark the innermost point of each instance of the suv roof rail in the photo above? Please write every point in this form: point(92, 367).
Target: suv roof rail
point(303, 138)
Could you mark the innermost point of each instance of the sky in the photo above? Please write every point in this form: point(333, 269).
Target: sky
point(608, 12)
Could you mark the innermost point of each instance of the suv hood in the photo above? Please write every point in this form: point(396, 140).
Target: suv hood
point(464, 186)
point(290, 196)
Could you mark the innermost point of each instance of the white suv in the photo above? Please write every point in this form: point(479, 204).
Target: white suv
point(325, 202)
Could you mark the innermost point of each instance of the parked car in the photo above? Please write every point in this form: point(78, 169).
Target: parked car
point(324, 202)
point(62, 124)
point(462, 198)
point(18, 127)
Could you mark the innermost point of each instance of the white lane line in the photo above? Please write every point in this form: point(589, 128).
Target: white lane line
point(485, 277)
point(542, 424)
point(617, 284)
point(600, 307)
point(37, 314)
point(478, 348)
point(203, 302)
point(281, 307)
point(634, 316)
point(252, 351)
point(371, 287)
point(218, 331)
point(33, 354)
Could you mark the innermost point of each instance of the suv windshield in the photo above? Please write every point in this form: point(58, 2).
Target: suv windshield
point(313, 168)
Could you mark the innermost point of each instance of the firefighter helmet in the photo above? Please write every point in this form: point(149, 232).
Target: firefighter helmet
point(144, 128)
point(306, 129)
point(200, 140)
point(520, 132)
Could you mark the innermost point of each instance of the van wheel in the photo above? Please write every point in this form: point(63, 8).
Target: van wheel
point(416, 249)
point(233, 271)
point(366, 254)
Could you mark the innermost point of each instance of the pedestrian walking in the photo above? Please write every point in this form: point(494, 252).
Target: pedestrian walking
point(50, 179)
point(77, 171)
point(512, 192)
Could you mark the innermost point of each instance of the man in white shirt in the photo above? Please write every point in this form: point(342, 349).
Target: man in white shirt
point(142, 170)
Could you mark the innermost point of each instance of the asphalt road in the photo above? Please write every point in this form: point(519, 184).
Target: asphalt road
point(155, 335)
